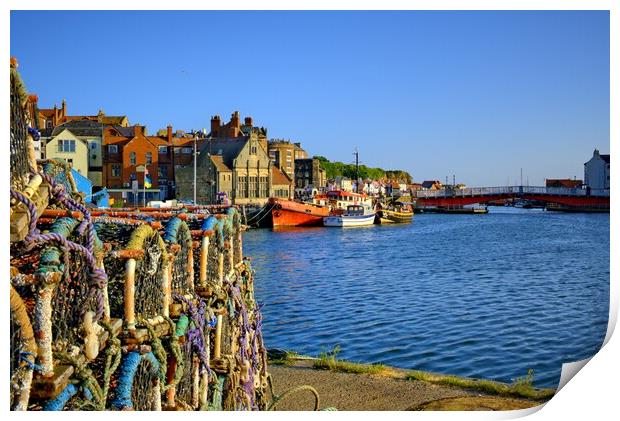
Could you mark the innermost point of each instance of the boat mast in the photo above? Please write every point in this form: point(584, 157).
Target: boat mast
point(357, 173)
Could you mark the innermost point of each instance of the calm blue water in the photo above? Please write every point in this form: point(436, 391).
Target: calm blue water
point(486, 296)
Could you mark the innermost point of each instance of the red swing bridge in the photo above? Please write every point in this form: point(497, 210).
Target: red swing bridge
point(556, 198)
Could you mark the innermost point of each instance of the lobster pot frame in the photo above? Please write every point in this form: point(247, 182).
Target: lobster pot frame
point(74, 296)
point(151, 294)
point(177, 233)
point(19, 134)
point(186, 390)
point(116, 237)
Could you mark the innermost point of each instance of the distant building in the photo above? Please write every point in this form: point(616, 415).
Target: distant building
point(564, 183)
point(88, 131)
point(283, 153)
point(431, 185)
point(49, 118)
point(596, 171)
point(308, 173)
point(66, 146)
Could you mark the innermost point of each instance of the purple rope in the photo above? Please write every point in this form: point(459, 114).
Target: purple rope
point(196, 334)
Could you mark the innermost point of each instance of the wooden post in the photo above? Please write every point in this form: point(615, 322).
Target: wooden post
point(130, 294)
point(190, 267)
point(217, 344)
point(204, 254)
point(231, 253)
point(240, 246)
point(204, 390)
point(106, 299)
point(170, 372)
point(196, 382)
point(167, 284)
point(42, 324)
point(156, 399)
point(220, 267)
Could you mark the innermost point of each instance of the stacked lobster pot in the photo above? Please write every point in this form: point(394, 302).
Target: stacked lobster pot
point(125, 309)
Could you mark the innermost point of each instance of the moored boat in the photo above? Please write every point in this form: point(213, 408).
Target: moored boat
point(386, 216)
point(288, 213)
point(354, 216)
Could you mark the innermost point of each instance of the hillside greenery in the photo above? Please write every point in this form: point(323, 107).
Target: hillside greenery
point(335, 169)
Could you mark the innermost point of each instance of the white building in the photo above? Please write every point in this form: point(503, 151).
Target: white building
point(596, 171)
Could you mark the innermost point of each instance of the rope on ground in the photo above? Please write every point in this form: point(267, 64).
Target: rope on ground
point(278, 398)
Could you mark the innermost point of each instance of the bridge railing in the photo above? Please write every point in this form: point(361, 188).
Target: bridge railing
point(516, 190)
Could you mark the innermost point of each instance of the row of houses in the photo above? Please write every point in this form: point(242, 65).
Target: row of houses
point(234, 159)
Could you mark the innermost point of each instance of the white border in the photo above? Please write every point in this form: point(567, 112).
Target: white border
point(591, 395)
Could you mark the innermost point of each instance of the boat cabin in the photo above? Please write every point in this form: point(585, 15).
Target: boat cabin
point(354, 210)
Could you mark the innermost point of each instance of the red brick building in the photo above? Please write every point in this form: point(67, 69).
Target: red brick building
point(127, 149)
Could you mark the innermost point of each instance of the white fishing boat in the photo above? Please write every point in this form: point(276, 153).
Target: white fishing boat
point(354, 216)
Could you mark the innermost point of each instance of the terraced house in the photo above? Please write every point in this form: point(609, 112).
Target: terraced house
point(128, 150)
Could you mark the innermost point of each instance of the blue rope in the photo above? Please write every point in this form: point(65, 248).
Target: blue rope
point(34, 133)
point(172, 229)
point(59, 402)
point(127, 371)
point(23, 356)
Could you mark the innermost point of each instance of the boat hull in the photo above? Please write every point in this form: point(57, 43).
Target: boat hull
point(286, 213)
point(392, 217)
point(349, 221)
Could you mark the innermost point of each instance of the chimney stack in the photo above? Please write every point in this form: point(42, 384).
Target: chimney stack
point(248, 121)
point(169, 133)
point(215, 125)
point(137, 130)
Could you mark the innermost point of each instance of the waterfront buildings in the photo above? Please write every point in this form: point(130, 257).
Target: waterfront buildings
point(596, 171)
point(232, 159)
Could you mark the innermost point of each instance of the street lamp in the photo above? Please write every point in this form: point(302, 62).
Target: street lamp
point(195, 154)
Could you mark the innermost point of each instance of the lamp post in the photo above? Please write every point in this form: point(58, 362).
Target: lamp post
point(195, 153)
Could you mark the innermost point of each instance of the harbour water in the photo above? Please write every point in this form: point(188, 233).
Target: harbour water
point(487, 296)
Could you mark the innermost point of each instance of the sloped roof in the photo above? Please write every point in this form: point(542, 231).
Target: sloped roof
point(279, 177)
point(219, 163)
point(80, 128)
point(228, 148)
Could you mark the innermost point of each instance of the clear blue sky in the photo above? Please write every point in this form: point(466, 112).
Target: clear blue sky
point(475, 94)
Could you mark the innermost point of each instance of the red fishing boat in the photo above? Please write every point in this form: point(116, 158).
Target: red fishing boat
point(288, 213)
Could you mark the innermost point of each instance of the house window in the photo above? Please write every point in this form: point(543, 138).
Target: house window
point(132, 158)
point(186, 150)
point(48, 124)
point(66, 145)
point(93, 145)
point(112, 148)
point(149, 158)
point(163, 150)
point(253, 150)
point(116, 170)
point(163, 171)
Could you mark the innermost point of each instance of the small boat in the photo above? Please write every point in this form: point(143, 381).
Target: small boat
point(354, 216)
point(396, 215)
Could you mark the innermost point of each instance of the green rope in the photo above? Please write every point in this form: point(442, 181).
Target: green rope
point(278, 398)
point(113, 359)
point(158, 349)
point(175, 347)
point(85, 377)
